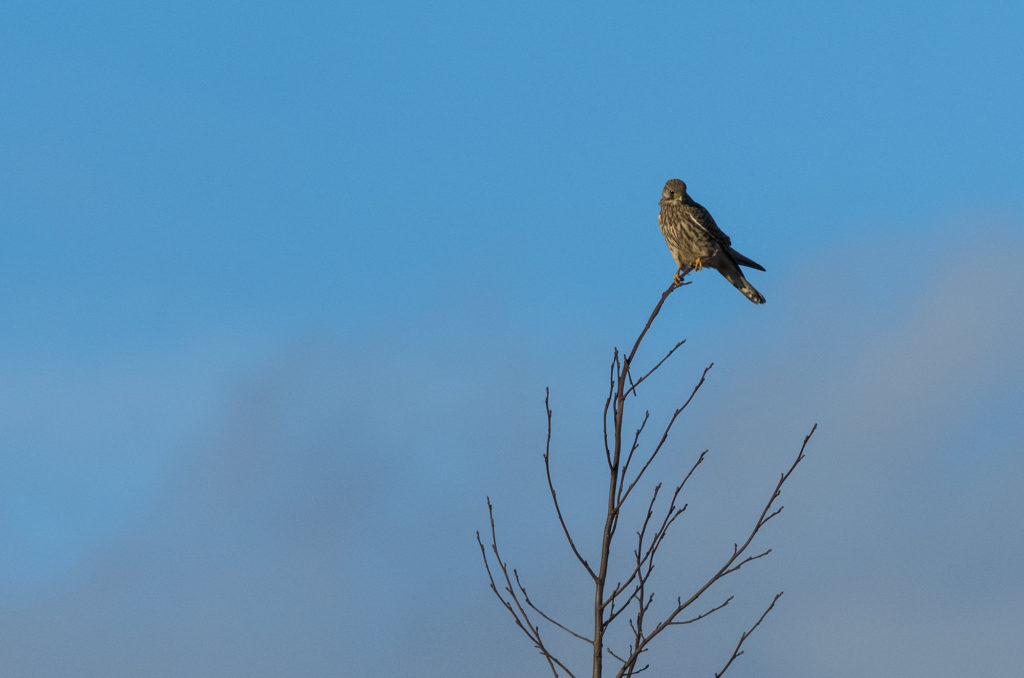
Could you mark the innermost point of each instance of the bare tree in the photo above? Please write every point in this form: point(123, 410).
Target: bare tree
point(632, 593)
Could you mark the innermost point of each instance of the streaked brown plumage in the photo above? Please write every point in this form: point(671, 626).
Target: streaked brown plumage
point(695, 240)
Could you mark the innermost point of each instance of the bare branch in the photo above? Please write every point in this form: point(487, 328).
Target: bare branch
point(514, 607)
point(608, 402)
point(654, 369)
point(634, 587)
point(618, 401)
point(730, 563)
point(745, 561)
point(664, 436)
point(671, 515)
point(529, 602)
point(554, 495)
point(612, 653)
point(700, 616)
point(746, 634)
point(632, 449)
point(628, 361)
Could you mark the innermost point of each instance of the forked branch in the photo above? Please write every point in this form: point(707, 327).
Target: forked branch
point(632, 592)
point(513, 604)
point(746, 634)
point(732, 564)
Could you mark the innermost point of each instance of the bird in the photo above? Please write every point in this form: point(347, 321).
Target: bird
point(696, 241)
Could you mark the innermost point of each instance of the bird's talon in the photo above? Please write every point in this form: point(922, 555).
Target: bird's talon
point(697, 265)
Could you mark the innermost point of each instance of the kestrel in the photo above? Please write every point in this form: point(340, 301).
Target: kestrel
point(695, 240)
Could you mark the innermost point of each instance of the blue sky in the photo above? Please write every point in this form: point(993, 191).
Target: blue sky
point(282, 288)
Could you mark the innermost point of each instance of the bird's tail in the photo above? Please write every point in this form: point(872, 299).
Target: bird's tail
point(744, 261)
point(733, 275)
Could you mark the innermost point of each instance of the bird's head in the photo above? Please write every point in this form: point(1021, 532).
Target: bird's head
point(674, 191)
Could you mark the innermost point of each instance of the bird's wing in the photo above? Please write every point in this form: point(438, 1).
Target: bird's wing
point(707, 222)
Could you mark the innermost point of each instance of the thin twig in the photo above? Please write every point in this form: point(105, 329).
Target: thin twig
point(653, 369)
point(628, 361)
point(608, 402)
point(554, 494)
point(746, 634)
point(700, 616)
point(633, 448)
point(664, 436)
point(526, 597)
